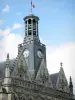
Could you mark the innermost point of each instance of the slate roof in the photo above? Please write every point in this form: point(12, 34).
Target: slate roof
point(54, 78)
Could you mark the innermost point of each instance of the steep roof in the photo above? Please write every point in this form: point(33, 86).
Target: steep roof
point(54, 78)
point(43, 75)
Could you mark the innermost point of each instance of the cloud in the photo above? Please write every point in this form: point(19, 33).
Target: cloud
point(6, 8)
point(64, 53)
point(16, 26)
point(9, 44)
point(5, 32)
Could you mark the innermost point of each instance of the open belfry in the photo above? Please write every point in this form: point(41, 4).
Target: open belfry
point(26, 77)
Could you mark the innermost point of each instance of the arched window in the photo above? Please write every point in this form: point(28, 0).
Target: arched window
point(34, 27)
point(29, 21)
point(34, 21)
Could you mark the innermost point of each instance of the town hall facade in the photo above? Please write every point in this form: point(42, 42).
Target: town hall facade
point(26, 77)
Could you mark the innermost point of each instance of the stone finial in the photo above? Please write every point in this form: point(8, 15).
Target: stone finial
point(70, 81)
point(61, 64)
point(7, 60)
point(71, 86)
point(7, 55)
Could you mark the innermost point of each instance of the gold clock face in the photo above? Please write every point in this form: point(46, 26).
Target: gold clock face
point(26, 53)
point(39, 54)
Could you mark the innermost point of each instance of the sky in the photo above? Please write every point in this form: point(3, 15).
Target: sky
point(56, 31)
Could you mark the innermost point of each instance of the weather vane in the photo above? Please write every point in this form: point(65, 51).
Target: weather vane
point(32, 6)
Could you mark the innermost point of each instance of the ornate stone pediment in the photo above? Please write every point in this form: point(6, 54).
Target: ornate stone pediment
point(43, 75)
point(21, 69)
point(62, 83)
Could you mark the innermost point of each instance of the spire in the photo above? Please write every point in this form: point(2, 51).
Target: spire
point(62, 83)
point(7, 67)
point(70, 80)
point(8, 56)
point(71, 86)
point(7, 78)
point(61, 67)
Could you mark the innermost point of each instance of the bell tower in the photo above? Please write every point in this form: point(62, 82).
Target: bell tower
point(32, 49)
point(31, 27)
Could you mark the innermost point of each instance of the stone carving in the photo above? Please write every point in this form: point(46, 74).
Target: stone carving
point(62, 83)
point(43, 75)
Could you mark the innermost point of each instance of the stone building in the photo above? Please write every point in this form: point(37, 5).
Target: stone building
point(26, 77)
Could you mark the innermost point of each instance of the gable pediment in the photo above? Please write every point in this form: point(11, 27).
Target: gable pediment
point(43, 76)
point(21, 69)
point(62, 83)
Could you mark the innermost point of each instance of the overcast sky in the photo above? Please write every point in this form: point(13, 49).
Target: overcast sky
point(56, 30)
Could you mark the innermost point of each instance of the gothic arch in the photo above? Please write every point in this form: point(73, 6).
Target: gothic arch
point(29, 21)
point(34, 21)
